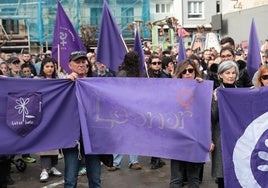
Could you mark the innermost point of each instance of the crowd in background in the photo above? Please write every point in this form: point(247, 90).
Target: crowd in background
point(161, 63)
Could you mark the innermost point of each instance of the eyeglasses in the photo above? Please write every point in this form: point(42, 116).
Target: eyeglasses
point(156, 63)
point(226, 56)
point(264, 77)
point(16, 62)
point(188, 70)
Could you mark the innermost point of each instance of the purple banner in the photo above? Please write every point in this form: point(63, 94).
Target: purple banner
point(244, 125)
point(168, 118)
point(59, 127)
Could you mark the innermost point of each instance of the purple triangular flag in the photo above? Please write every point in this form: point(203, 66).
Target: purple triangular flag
point(254, 56)
point(111, 48)
point(139, 50)
point(182, 51)
point(65, 40)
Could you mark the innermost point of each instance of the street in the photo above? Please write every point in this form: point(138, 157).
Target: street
point(123, 178)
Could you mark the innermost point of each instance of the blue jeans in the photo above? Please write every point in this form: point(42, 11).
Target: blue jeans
point(72, 164)
point(118, 158)
point(177, 173)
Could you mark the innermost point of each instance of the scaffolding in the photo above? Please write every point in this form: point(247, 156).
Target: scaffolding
point(30, 23)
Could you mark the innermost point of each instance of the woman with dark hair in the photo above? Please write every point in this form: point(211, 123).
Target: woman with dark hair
point(156, 69)
point(48, 159)
point(48, 68)
point(129, 68)
point(154, 66)
point(187, 69)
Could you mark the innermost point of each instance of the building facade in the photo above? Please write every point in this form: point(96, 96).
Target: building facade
point(29, 24)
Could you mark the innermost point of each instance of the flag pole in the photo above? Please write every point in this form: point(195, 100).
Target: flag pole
point(59, 63)
point(124, 42)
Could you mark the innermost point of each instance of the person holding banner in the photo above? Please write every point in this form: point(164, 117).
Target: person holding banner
point(5, 165)
point(186, 70)
point(129, 68)
point(48, 159)
point(228, 74)
point(72, 156)
point(158, 69)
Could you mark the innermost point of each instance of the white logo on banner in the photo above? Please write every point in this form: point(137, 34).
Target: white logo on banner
point(243, 149)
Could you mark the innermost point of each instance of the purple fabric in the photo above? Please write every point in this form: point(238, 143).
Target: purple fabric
point(111, 47)
point(254, 56)
point(139, 50)
point(182, 51)
point(243, 121)
point(65, 40)
point(60, 125)
point(167, 118)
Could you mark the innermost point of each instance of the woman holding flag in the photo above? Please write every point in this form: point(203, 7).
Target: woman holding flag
point(228, 74)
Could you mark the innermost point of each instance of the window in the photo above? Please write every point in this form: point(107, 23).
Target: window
point(162, 8)
point(11, 26)
point(218, 7)
point(127, 17)
point(195, 9)
point(95, 15)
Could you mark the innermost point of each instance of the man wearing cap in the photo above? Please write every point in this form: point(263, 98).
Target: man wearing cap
point(14, 67)
point(78, 65)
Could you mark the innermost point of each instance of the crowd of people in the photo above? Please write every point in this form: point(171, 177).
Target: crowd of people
point(227, 69)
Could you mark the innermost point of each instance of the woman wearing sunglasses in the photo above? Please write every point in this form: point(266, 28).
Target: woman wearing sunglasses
point(262, 76)
point(187, 69)
point(228, 74)
point(154, 66)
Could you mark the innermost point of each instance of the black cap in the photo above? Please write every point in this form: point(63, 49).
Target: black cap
point(13, 60)
point(77, 55)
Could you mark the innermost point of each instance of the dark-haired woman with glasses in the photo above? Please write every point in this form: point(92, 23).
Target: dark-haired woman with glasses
point(262, 76)
point(155, 71)
point(154, 66)
point(187, 69)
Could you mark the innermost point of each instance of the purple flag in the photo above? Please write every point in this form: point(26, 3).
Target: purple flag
point(244, 125)
point(254, 56)
point(111, 48)
point(181, 48)
point(115, 118)
point(139, 50)
point(65, 40)
point(36, 125)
